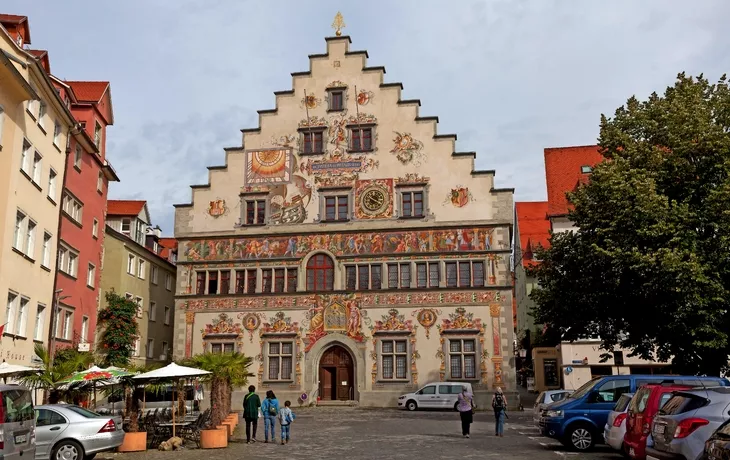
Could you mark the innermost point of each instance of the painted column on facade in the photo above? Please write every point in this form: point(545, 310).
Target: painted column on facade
point(189, 322)
point(495, 310)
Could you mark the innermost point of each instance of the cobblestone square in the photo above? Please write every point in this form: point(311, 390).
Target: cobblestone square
point(359, 434)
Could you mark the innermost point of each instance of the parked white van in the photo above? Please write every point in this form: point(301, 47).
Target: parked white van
point(441, 395)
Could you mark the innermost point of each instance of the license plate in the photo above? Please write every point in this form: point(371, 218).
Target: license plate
point(21, 439)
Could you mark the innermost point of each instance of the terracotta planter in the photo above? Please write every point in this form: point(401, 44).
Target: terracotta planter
point(231, 426)
point(233, 418)
point(134, 442)
point(213, 439)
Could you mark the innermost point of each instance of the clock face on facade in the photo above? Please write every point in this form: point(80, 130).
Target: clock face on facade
point(374, 200)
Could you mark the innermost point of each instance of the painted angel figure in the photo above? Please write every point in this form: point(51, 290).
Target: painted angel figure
point(354, 322)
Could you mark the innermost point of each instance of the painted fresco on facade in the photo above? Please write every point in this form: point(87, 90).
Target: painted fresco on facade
point(412, 179)
point(364, 97)
point(268, 166)
point(407, 149)
point(217, 208)
point(223, 326)
point(335, 313)
point(374, 199)
point(427, 317)
point(280, 324)
point(459, 197)
point(340, 244)
point(251, 322)
point(393, 321)
point(310, 101)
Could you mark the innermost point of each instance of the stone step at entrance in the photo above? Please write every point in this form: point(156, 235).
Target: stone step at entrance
point(329, 403)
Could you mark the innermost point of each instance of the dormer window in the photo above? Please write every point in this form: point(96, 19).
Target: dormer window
point(361, 139)
point(126, 226)
point(586, 169)
point(336, 100)
point(97, 135)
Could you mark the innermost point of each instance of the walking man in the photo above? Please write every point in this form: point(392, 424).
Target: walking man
point(251, 404)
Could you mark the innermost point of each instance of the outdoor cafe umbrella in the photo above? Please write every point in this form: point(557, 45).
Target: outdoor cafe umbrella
point(14, 370)
point(171, 372)
point(94, 375)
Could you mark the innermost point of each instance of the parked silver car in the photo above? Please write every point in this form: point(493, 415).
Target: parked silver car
point(66, 432)
point(686, 421)
point(546, 398)
point(16, 423)
point(615, 428)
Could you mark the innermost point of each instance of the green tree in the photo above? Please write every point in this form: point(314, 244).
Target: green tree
point(119, 322)
point(227, 372)
point(50, 377)
point(648, 268)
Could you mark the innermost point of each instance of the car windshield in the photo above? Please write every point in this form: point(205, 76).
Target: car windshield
point(83, 412)
point(585, 389)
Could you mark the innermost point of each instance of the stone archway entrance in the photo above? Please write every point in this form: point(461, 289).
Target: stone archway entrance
point(336, 375)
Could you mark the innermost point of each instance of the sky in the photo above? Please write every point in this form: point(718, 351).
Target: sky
point(509, 77)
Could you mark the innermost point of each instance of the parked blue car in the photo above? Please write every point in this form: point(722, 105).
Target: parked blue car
point(578, 421)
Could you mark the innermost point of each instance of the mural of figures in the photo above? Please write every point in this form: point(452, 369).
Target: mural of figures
point(340, 244)
point(335, 313)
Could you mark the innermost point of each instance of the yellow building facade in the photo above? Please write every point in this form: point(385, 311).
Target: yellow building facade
point(348, 247)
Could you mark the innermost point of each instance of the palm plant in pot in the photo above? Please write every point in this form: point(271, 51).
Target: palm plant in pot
point(227, 372)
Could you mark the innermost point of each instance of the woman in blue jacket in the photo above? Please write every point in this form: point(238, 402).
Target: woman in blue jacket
point(270, 409)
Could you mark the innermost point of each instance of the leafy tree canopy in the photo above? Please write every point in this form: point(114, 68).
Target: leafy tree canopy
point(649, 267)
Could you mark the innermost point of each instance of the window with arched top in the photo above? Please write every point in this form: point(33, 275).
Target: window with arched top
point(320, 273)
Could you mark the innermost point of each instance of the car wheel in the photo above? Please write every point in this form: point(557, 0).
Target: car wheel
point(579, 437)
point(456, 406)
point(411, 405)
point(68, 450)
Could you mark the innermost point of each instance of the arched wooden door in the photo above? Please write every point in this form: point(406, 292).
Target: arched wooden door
point(336, 375)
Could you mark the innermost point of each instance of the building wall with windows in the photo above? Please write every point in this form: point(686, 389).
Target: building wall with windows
point(83, 209)
point(147, 278)
point(34, 127)
point(348, 247)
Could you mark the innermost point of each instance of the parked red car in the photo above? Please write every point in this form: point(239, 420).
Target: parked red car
point(643, 408)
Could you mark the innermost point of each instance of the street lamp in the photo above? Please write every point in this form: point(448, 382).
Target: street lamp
point(54, 315)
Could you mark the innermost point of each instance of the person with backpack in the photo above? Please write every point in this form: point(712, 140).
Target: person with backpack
point(251, 404)
point(499, 404)
point(465, 406)
point(270, 409)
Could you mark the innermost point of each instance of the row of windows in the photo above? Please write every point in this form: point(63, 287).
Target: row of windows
point(393, 358)
point(39, 111)
point(360, 277)
point(167, 312)
point(360, 140)
point(335, 207)
point(150, 351)
point(137, 266)
point(31, 164)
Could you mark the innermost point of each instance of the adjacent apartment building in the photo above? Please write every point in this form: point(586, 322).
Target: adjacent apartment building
point(83, 209)
point(349, 247)
point(137, 266)
point(571, 364)
point(35, 125)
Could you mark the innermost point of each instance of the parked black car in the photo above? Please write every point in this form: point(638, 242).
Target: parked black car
point(718, 446)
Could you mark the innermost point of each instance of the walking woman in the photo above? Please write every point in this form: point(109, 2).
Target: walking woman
point(466, 410)
point(270, 409)
point(499, 404)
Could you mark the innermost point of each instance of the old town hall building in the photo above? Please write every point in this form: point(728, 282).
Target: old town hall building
point(348, 248)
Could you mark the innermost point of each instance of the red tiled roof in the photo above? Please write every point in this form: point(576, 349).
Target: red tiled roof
point(534, 227)
point(124, 207)
point(563, 173)
point(89, 91)
point(38, 53)
point(168, 245)
point(13, 18)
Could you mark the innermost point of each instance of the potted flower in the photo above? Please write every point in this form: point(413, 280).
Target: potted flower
point(227, 371)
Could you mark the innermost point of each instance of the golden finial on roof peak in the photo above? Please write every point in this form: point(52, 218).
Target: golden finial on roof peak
point(338, 24)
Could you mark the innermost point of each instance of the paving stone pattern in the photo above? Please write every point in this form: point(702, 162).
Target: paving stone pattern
point(359, 434)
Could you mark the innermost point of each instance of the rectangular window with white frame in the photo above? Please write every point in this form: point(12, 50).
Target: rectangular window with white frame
point(25, 158)
point(37, 168)
point(78, 158)
point(399, 275)
point(52, 185)
point(21, 317)
point(95, 228)
point(97, 135)
point(84, 329)
point(153, 311)
point(222, 347)
point(42, 111)
point(68, 260)
point(73, 208)
point(127, 226)
point(140, 268)
point(462, 358)
point(154, 274)
point(254, 211)
point(91, 276)
point(164, 349)
point(364, 277)
point(66, 324)
point(280, 358)
point(100, 182)
point(39, 322)
point(469, 273)
point(168, 314)
point(140, 305)
point(168, 281)
point(394, 358)
point(10, 308)
point(21, 222)
point(30, 239)
point(150, 348)
point(57, 134)
point(131, 264)
point(137, 345)
point(47, 242)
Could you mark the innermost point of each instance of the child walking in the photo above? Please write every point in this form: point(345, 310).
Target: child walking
point(286, 416)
